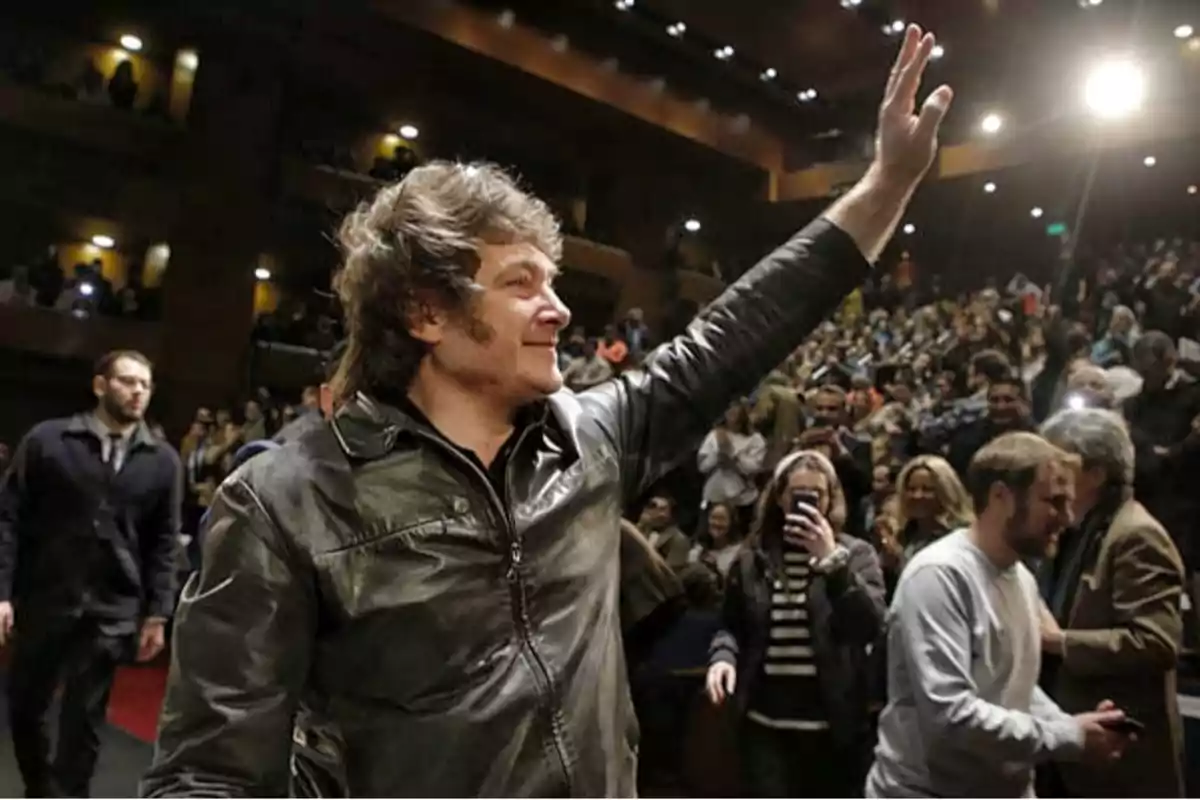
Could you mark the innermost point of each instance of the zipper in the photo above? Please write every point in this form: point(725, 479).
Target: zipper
point(516, 587)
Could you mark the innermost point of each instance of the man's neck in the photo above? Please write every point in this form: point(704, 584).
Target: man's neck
point(113, 425)
point(464, 416)
point(990, 540)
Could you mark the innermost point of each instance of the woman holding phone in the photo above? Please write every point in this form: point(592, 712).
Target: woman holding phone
point(802, 604)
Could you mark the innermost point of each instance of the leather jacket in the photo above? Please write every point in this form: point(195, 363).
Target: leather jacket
point(451, 633)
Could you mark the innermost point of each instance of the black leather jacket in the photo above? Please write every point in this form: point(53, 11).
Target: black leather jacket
point(448, 638)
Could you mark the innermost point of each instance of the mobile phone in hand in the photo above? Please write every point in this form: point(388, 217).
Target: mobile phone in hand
point(1128, 726)
point(805, 497)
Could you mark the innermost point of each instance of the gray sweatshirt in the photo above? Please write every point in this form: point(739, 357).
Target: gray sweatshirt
point(965, 716)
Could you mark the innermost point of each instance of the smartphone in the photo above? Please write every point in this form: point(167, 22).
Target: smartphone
point(805, 497)
point(1127, 726)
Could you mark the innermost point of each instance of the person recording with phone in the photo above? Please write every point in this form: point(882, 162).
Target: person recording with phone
point(802, 603)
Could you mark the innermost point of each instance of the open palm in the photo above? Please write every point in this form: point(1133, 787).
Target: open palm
point(906, 141)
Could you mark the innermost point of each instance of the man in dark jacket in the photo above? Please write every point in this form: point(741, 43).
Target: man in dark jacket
point(89, 527)
point(1007, 411)
point(433, 576)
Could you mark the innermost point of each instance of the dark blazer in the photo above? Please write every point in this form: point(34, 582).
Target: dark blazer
point(75, 539)
point(846, 614)
point(1122, 641)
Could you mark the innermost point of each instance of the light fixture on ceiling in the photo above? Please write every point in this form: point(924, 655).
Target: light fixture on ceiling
point(724, 53)
point(1149, 161)
point(769, 74)
point(989, 187)
point(262, 274)
point(1115, 88)
point(1036, 212)
point(692, 225)
point(1089, 3)
point(807, 96)
point(188, 60)
point(937, 52)
point(991, 123)
point(409, 132)
point(676, 29)
point(1192, 189)
point(909, 229)
point(103, 241)
point(895, 27)
point(851, 3)
point(130, 42)
point(1184, 32)
point(507, 18)
point(624, 5)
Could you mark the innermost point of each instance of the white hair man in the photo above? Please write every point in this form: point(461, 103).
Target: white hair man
point(1113, 590)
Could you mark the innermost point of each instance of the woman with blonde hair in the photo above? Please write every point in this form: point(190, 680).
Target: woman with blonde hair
point(802, 602)
point(931, 502)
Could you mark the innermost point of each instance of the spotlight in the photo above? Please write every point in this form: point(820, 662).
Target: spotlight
point(624, 5)
point(1036, 212)
point(1149, 161)
point(691, 225)
point(130, 42)
point(262, 274)
point(724, 53)
point(937, 52)
point(851, 3)
point(105, 242)
point(676, 29)
point(188, 60)
point(896, 27)
point(1192, 189)
point(87, 289)
point(1115, 88)
point(1184, 32)
point(409, 132)
point(807, 96)
point(989, 187)
point(769, 74)
point(909, 229)
point(991, 123)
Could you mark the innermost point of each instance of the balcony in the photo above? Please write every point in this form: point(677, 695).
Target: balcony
point(58, 334)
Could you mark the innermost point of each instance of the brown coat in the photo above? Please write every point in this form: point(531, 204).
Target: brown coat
point(1121, 644)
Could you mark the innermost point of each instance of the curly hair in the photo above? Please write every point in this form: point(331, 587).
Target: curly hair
point(413, 250)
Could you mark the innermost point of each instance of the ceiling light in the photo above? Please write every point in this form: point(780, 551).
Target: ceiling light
point(895, 27)
point(1192, 189)
point(991, 123)
point(262, 274)
point(677, 29)
point(409, 131)
point(910, 229)
point(1184, 32)
point(1036, 212)
point(106, 242)
point(691, 225)
point(1089, 3)
point(807, 96)
point(188, 59)
point(769, 74)
point(1149, 161)
point(507, 18)
point(989, 187)
point(130, 42)
point(724, 53)
point(851, 3)
point(937, 52)
point(624, 5)
point(1115, 88)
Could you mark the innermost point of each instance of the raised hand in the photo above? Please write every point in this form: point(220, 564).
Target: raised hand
point(905, 141)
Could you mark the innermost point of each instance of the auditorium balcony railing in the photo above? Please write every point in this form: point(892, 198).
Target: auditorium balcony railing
point(49, 332)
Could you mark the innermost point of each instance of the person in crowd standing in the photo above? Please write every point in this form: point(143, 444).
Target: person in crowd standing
point(803, 602)
point(730, 458)
point(827, 431)
point(965, 716)
point(89, 527)
point(1007, 411)
point(935, 433)
point(461, 514)
point(721, 537)
point(931, 502)
point(1113, 590)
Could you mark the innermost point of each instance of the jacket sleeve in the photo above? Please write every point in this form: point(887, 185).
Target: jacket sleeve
point(12, 502)
point(654, 417)
point(240, 657)
point(856, 592)
point(1147, 589)
point(931, 631)
point(726, 643)
point(161, 565)
point(709, 456)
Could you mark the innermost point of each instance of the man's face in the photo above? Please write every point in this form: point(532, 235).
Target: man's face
point(1005, 405)
point(253, 411)
point(881, 481)
point(125, 392)
point(507, 346)
point(656, 516)
point(828, 409)
point(1038, 516)
point(1155, 371)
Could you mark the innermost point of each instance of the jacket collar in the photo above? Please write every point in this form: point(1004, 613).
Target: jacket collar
point(82, 424)
point(368, 429)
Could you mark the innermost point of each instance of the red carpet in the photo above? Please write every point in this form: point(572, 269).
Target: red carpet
point(136, 698)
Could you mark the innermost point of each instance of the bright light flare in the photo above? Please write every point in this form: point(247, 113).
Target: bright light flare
point(1115, 88)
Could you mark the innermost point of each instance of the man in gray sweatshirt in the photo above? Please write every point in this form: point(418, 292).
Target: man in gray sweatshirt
point(965, 717)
